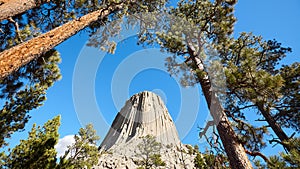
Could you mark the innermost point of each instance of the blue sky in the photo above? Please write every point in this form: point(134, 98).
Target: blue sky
point(269, 18)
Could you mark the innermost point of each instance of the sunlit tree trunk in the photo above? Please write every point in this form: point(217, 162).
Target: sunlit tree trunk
point(13, 58)
point(275, 126)
point(13, 7)
point(234, 149)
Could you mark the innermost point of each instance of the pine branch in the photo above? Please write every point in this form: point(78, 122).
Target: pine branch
point(256, 153)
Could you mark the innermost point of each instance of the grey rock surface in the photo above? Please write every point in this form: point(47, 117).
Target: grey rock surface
point(143, 114)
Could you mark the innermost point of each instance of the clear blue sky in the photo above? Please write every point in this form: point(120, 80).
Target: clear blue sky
point(269, 18)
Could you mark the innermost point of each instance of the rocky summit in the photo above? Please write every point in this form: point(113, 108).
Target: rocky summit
point(144, 114)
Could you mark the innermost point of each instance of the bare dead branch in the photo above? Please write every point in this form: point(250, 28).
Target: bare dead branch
point(208, 124)
point(11, 20)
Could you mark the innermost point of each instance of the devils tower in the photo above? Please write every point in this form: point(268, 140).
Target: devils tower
point(144, 114)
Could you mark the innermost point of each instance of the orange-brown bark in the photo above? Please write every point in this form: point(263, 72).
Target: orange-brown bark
point(11, 8)
point(14, 58)
point(233, 148)
point(274, 125)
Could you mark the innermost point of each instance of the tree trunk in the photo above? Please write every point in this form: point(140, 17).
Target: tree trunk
point(14, 7)
point(234, 150)
point(275, 127)
point(14, 58)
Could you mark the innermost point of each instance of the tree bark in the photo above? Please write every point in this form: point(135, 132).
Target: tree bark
point(234, 150)
point(14, 58)
point(14, 7)
point(275, 127)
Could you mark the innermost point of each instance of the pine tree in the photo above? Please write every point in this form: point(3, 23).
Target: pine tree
point(15, 7)
point(79, 16)
point(254, 82)
point(38, 150)
point(292, 158)
point(84, 152)
point(206, 25)
point(252, 75)
point(33, 22)
point(24, 84)
point(25, 90)
point(13, 58)
point(288, 114)
point(212, 161)
point(149, 152)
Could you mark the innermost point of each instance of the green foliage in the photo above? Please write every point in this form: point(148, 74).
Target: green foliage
point(25, 90)
point(251, 71)
point(197, 19)
point(149, 150)
point(288, 114)
point(43, 19)
point(190, 149)
point(293, 157)
point(199, 161)
point(102, 37)
point(84, 152)
point(250, 68)
point(250, 136)
point(38, 150)
point(191, 25)
point(255, 83)
point(274, 163)
point(50, 15)
point(209, 160)
point(157, 161)
point(254, 80)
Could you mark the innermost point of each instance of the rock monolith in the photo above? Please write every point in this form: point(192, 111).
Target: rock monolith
point(143, 114)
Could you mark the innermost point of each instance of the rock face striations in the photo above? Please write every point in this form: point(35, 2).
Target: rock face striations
point(143, 114)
